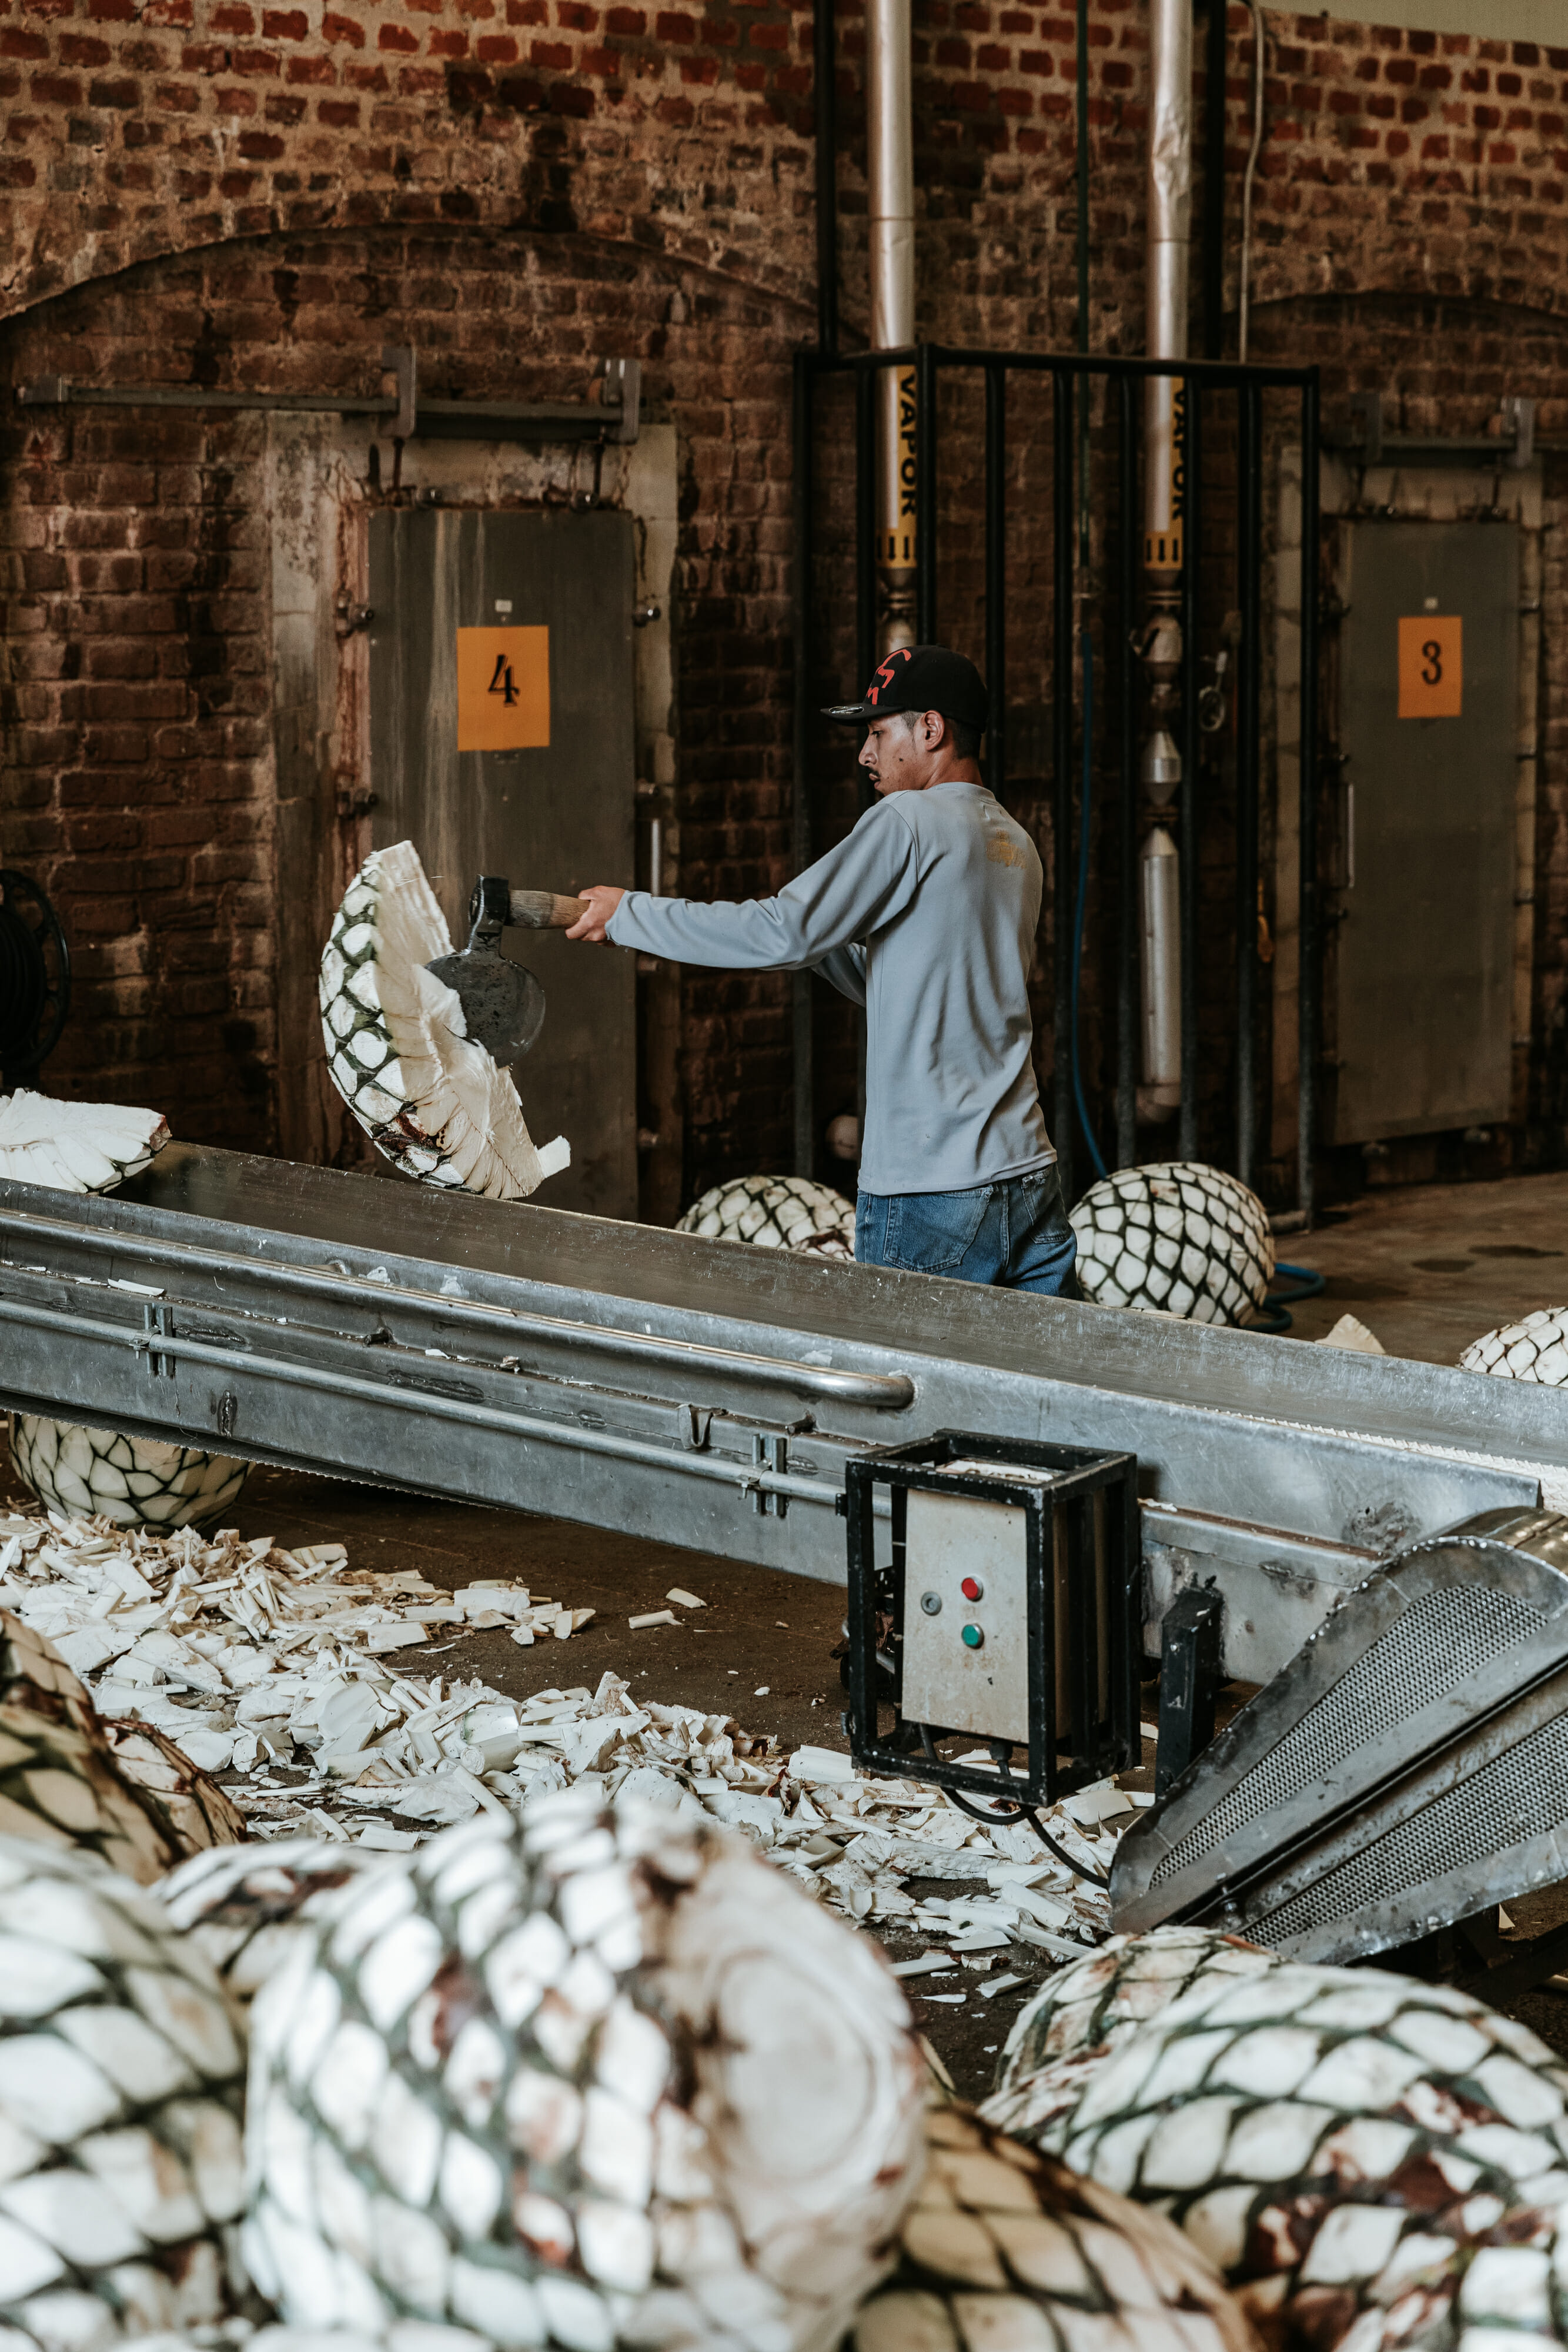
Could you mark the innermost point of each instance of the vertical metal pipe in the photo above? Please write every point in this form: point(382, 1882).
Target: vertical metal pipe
point(1214, 59)
point(1127, 894)
point(1169, 232)
point(1191, 812)
point(1062, 756)
point(1309, 1000)
point(865, 537)
point(890, 195)
point(1249, 592)
point(825, 111)
point(1166, 988)
point(804, 1118)
point(997, 576)
point(925, 502)
point(867, 392)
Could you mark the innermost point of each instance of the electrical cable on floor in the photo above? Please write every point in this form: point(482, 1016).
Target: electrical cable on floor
point(1310, 1284)
point(1019, 1813)
point(1078, 912)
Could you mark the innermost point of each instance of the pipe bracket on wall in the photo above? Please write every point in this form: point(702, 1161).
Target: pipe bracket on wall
point(614, 418)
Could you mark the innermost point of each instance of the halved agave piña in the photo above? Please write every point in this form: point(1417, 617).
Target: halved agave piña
point(120, 2081)
point(599, 2075)
point(431, 1100)
point(75, 1147)
point(1004, 2251)
point(137, 1481)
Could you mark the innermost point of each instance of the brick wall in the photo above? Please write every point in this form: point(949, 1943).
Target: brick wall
point(209, 192)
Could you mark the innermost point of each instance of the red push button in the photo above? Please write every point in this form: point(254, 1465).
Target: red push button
point(972, 1589)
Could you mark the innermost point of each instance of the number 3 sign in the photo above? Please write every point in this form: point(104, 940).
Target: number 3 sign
point(1431, 666)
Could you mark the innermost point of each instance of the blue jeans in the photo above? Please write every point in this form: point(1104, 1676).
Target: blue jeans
point(1014, 1233)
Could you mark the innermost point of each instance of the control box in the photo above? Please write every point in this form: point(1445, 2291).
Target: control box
point(965, 1614)
point(994, 1591)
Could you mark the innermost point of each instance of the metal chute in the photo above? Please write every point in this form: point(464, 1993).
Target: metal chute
point(1407, 1771)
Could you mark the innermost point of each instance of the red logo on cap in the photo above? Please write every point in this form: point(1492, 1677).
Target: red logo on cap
point(884, 674)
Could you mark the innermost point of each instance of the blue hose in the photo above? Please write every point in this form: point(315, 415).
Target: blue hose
point(1083, 823)
point(1309, 1285)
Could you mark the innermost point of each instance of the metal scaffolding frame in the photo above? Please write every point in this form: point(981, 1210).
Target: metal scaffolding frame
point(1201, 380)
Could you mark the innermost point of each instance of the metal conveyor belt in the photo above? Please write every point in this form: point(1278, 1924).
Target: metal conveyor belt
point(708, 1396)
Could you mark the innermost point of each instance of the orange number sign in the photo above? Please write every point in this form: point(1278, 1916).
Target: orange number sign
point(503, 689)
point(1431, 666)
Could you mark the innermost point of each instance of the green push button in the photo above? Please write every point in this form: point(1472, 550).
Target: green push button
point(973, 1637)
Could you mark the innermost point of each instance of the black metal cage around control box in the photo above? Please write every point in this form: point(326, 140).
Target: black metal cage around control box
point(1007, 1606)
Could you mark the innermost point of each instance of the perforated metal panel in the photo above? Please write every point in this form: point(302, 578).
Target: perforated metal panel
point(1517, 1797)
point(1409, 1766)
point(1433, 1648)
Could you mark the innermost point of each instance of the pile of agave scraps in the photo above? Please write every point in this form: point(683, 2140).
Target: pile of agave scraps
point(278, 1669)
point(257, 1660)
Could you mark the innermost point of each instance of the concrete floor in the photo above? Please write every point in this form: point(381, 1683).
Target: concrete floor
point(1429, 1267)
point(1426, 1269)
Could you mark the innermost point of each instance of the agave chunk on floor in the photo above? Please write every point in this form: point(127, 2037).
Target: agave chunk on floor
point(431, 1101)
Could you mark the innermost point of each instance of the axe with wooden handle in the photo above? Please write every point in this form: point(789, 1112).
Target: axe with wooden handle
point(503, 1003)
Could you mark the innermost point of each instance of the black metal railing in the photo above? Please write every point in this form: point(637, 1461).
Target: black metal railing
point(1072, 377)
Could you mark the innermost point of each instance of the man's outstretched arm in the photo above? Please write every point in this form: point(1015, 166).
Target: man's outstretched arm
point(866, 880)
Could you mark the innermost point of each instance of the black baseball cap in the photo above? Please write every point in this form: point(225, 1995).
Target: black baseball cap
point(921, 677)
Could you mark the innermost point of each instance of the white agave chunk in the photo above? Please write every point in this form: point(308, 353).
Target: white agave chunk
point(665, 1989)
point(75, 1147)
point(431, 1100)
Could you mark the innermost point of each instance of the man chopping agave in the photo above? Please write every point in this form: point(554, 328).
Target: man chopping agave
point(925, 916)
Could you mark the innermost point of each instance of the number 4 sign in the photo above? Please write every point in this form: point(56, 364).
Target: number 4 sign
point(503, 689)
point(1431, 666)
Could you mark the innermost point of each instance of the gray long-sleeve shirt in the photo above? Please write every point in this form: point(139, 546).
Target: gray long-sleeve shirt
point(927, 916)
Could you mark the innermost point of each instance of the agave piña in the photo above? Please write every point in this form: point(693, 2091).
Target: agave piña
point(775, 1213)
point(1178, 1237)
point(597, 2074)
